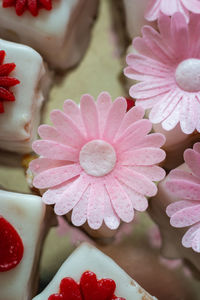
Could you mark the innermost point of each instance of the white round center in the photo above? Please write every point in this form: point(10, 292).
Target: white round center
point(97, 158)
point(188, 75)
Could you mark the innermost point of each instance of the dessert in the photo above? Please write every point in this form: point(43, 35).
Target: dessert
point(23, 81)
point(166, 68)
point(98, 162)
point(90, 274)
point(22, 230)
point(60, 31)
point(178, 199)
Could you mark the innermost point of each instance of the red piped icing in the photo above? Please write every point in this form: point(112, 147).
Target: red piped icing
point(130, 103)
point(6, 81)
point(89, 288)
point(11, 246)
point(32, 5)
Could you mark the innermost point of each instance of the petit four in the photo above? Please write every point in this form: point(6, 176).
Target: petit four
point(166, 67)
point(22, 230)
point(23, 81)
point(89, 274)
point(98, 162)
point(60, 31)
point(179, 199)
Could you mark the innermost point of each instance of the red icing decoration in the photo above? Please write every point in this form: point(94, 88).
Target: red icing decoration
point(11, 246)
point(89, 289)
point(5, 81)
point(130, 103)
point(32, 5)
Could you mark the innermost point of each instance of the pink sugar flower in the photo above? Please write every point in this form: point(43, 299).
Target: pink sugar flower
point(98, 161)
point(168, 7)
point(186, 187)
point(168, 68)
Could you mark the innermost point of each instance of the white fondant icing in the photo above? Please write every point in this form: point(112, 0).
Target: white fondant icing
point(26, 213)
point(188, 75)
point(97, 158)
point(20, 120)
point(88, 258)
point(60, 35)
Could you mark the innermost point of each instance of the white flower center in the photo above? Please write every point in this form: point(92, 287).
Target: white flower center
point(97, 158)
point(188, 75)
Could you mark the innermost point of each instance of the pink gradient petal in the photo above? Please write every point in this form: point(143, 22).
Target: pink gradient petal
point(143, 156)
point(186, 216)
point(56, 176)
point(111, 219)
point(42, 164)
point(71, 196)
point(154, 173)
point(189, 235)
point(192, 5)
point(152, 140)
point(175, 207)
point(196, 242)
point(196, 147)
point(153, 10)
point(51, 196)
point(180, 35)
point(96, 205)
point(72, 110)
point(79, 212)
point(163, 109)
point(104, 103)
point(165, 30)
point(136, 181)
point(114, 118)
point(132, 74)
point(147, 89)
point(139, 202)
point(169, 7)
point(68, 128)
point(184, 189)
point(192, 159)
point(183, 175)
point(90, 116)
point(173, 119)
point(47, 132)
point(119, 199)
point(188, 115)
point(194, 28)
point(53, 150)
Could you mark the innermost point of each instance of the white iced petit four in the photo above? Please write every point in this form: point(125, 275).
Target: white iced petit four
point(90, 274)
point(60, 33)
point(21, 115)
point(22, 230)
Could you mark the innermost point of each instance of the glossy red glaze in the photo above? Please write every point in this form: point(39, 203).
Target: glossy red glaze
point(32, 5)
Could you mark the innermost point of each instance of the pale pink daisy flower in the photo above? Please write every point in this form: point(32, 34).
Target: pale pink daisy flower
point(186, 187)
point(169, 7)
point(98, 161)
point(168, 68)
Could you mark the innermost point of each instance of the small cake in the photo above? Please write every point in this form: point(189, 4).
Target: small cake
point(98, 164)
point(166, 67)
point(23, 81)
point(22, 230)
point(60, 31)
point(89, 274)
point(179, 199)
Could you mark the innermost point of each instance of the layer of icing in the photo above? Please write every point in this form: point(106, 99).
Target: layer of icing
point(86, 258)
point(56, 35)
point(19, 122)
point(26, 214)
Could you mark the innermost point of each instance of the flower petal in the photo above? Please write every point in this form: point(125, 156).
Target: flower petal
point(152, 140)
point(96, 205)
point(114, 118)
point(47, 132)
point(173, 119)
point(41, 164)
point(143, 156)
point(153, 10)
point(192, 5)
point(177, 206)
point(53, 195)
point(154, 173)
point(67, 128)
point(90, 116)
point(139, 202)
point(189, 114)
point(79, 212)
point(186, 216)
point(183, 175)
point(56, 176)
point(196, 242)
point(53, 150)
point(192, 159)
point(111, 219)
point(71, 196)
point(136, 181)
point(184, 189)
point(119, 199)
point(72, 110)
point(104, 103)
point(188, 237)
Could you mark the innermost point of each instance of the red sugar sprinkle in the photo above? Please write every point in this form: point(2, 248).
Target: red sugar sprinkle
point(32, 5)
